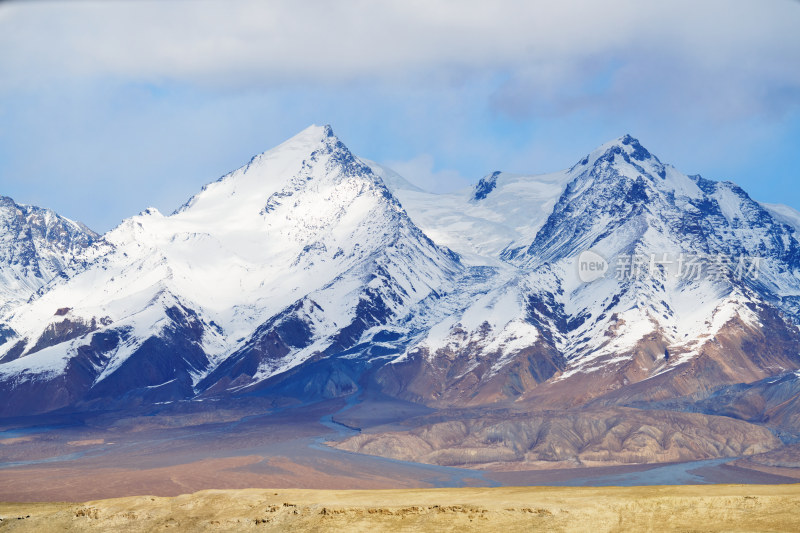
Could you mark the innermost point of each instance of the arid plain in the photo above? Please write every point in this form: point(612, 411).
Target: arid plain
point(676, 508)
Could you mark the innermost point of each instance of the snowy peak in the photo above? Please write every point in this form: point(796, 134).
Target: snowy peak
point(621, 194)
point(304, 212)
point(312, 158)
point(627, 147)
point(62, 232)
point(633, 148)
point(36, 245)
point(626, 157)
point(312, 135)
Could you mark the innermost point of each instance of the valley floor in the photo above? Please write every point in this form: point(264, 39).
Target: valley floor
point(182, 449)
point(672, 508)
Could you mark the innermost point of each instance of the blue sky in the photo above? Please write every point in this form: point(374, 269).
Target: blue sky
point(107, 108)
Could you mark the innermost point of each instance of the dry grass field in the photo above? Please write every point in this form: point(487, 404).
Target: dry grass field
point(507, 509)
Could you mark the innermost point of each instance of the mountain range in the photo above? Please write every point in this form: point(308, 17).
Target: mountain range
point(618, 311)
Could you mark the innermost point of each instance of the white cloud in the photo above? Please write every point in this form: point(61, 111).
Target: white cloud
point(723, 57)
point(255, 43)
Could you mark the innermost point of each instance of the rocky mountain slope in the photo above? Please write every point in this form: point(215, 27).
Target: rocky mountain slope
point(36, 246)
point(698, 277)
point(620, 290)
point(292, 257)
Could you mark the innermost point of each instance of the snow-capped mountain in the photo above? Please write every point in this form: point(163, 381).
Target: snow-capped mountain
point(689, 260)
point(295, 255)
point(630, 208)
point(36, 245)
point(312, 273)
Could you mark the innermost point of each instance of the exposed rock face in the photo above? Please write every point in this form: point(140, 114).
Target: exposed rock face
point(456, 377)
point(63, 331)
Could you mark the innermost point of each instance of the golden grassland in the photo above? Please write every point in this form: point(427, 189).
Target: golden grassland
point(507, 509)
